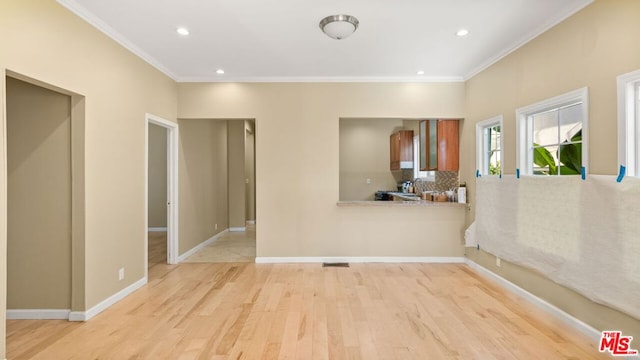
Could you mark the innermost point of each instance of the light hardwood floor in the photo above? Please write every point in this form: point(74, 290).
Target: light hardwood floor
point(305, 311)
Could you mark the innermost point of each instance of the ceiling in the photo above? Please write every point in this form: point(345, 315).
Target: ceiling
point(280, 40)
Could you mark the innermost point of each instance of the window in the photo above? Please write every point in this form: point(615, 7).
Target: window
point(629, 122)
point(552, 135)
point(489, 146)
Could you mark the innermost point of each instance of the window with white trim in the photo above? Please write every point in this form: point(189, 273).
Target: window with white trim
point(552, 135)
point(489, 146)
point(629, 122)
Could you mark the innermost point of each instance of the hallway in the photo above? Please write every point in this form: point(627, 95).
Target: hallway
point(230, 247)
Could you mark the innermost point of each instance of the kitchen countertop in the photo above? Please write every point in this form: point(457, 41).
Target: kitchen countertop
point(409, 203)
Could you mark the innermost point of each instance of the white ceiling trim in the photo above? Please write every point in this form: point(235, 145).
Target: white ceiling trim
point(324, 79)
point(560, 17)
point(94, 21)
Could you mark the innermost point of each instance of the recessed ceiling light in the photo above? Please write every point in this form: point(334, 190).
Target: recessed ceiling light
point(182, 31)
point(462, 32)
point(219, 71)
point(420, 72)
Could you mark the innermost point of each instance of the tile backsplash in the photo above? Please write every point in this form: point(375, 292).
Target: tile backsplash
point(444, 180)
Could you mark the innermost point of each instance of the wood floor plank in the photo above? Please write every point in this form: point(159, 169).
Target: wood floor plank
point(320, 348)
point(304, 311)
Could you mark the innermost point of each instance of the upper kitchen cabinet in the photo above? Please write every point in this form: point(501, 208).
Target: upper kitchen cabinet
point(401, 149)
point(439, 145)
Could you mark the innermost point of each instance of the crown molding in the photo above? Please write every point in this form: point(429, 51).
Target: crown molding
point(558, 18)
point(322, 79)
point(96, 22)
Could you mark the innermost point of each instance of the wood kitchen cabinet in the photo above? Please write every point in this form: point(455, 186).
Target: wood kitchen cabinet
point(401, 150)
point(439, 145)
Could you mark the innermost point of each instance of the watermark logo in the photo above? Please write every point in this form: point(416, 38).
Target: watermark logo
point(616, 343)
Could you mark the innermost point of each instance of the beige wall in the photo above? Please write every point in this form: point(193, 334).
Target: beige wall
point(364, 154)
point(250, 170)
point(297, 161)
point(39, 197)
point(237, 186)
point(589, 49)
point(202, 181)
point(157, 176)
point(413, 125)
point(42, 40)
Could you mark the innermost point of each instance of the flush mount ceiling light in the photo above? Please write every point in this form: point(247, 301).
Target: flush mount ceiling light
point(182, 31)
point(220, 72)
point(339, 26)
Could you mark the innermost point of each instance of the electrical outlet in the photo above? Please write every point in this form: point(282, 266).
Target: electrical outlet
point(368, 181)
point(498, 262)
point(216, 227)
point(121, 274)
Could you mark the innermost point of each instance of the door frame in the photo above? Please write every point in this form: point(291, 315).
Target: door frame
point(172, 188)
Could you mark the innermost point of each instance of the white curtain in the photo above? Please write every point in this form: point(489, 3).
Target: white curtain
point(583, 234)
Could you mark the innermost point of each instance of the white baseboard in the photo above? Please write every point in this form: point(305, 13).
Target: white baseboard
point(251, 222)
point(237, 229)
point(200, 246)
point(578, 324)
point(38, 314)
point(105, 304)
point(359, 259)
point(158, 229)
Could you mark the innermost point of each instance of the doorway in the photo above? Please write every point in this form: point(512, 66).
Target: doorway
point(219, 166)
point(169, 203)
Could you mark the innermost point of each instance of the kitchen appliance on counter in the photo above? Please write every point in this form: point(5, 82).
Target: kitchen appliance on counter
point(383, 195)
point(404, 186)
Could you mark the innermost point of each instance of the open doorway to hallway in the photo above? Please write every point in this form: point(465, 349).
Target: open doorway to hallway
point(157, 195)
point(218, 186)
point(236, 246)
point(162, 193)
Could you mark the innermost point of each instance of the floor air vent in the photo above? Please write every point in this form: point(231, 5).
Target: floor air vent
point(335, 264)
